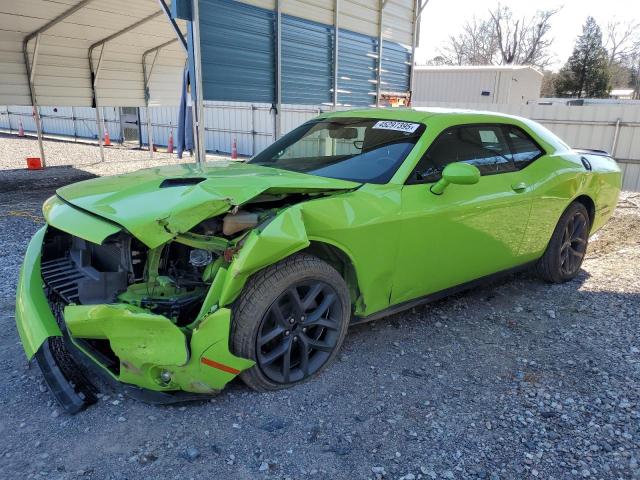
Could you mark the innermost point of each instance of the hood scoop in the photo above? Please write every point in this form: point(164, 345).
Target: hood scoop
point(181, 182)
point(156, 204)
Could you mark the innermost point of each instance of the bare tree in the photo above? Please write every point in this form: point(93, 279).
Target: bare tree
point(523, 41)
point(623, 48)
point(502, 39)
point(475, 45)
point(622, 40)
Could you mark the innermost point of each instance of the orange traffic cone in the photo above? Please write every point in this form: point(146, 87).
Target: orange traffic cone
point(170, 144)
point(234, 150)
point(20, 129)
point(107, 139)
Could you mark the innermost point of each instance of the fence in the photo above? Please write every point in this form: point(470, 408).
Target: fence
point(611, 127)
point(72, 122)
point(252, 125)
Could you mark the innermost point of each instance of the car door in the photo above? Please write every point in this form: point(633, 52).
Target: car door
point(469, 231)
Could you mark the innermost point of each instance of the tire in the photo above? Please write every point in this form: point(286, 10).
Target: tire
point(292, 314)
point(563, 258)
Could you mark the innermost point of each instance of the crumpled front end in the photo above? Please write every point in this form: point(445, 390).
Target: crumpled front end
point(106, 302)
point(153, 315)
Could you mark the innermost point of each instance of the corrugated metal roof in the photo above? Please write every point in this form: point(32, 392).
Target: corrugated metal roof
point(62, 75)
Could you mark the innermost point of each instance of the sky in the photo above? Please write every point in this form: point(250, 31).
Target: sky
point(442, 18)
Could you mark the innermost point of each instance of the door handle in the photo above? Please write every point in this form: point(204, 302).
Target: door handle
point(519, 187)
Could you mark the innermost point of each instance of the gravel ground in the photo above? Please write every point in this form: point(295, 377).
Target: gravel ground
point(515, 380)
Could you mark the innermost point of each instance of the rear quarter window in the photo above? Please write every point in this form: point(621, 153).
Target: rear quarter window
point(524, 149)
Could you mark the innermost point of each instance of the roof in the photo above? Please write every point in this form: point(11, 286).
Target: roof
point(416, 114)
point(621, 91)
point(60, 53)
point(63, 76)
point(464, 68)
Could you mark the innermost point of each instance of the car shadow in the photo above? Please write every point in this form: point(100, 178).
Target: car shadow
point(22, 180)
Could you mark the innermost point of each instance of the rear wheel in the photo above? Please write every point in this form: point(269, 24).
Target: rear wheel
point(563, 258)
point(291, 319)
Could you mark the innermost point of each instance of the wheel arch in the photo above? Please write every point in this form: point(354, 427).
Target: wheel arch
point(589, 204)
point(339, 259)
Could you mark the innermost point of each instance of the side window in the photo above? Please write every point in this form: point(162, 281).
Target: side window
point(524, 149)
point(484, 146)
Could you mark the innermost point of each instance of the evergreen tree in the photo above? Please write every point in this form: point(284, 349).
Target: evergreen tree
point(586, 73)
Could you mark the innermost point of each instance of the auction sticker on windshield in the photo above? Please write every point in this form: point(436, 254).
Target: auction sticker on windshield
point(397, 126)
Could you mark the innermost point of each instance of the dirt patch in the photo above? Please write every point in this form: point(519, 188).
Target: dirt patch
point(622, 231)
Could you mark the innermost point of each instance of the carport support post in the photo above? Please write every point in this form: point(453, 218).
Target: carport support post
point(99, 124)
point(146, 75)
point(94, 80)
point(198, 110)
point(336, 27)
point(278, 68)
point(31, 70)
point(382, 3)
point(149, 130)
point(30, 76)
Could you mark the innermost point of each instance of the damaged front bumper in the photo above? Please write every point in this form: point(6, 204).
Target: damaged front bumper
point(150, 351)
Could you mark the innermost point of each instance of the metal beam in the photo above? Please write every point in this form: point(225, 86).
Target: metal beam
point(146, 75)
point(336, 26)
point(31, 68)
point(278, 68)
point(418, 8)
point(57, 20)
point(174, 25)
point(95, 73)
point(34, 62)
point(127, 29)
point(382, 3)
point(34, 102)
point(198, 107)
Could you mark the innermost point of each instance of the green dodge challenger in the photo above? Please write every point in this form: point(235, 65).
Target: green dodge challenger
point(172, 281)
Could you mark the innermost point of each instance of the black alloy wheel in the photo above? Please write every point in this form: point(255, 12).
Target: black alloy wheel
point(574, 243)
point(291, 320)
point(299, 332)
point(567, 247)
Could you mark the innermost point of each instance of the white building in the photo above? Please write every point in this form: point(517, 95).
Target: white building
point(483, 84)
point(621, 93)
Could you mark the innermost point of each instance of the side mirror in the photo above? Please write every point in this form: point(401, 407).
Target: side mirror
point(457, 173)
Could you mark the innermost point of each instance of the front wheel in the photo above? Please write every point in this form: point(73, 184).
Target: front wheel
point(563, 258)
point(291, 319)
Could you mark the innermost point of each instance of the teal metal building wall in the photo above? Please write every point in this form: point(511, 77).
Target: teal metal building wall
point(239, 58)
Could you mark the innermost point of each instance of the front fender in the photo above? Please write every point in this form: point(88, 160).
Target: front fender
point(34, 319)
point(283, 236)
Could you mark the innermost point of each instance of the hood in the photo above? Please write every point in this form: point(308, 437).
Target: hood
point(156, 204)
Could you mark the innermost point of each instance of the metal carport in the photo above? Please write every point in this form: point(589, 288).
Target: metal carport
point(88, 53)
point(91, 52)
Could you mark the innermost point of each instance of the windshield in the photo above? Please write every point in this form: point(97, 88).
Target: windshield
point(362, 150)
